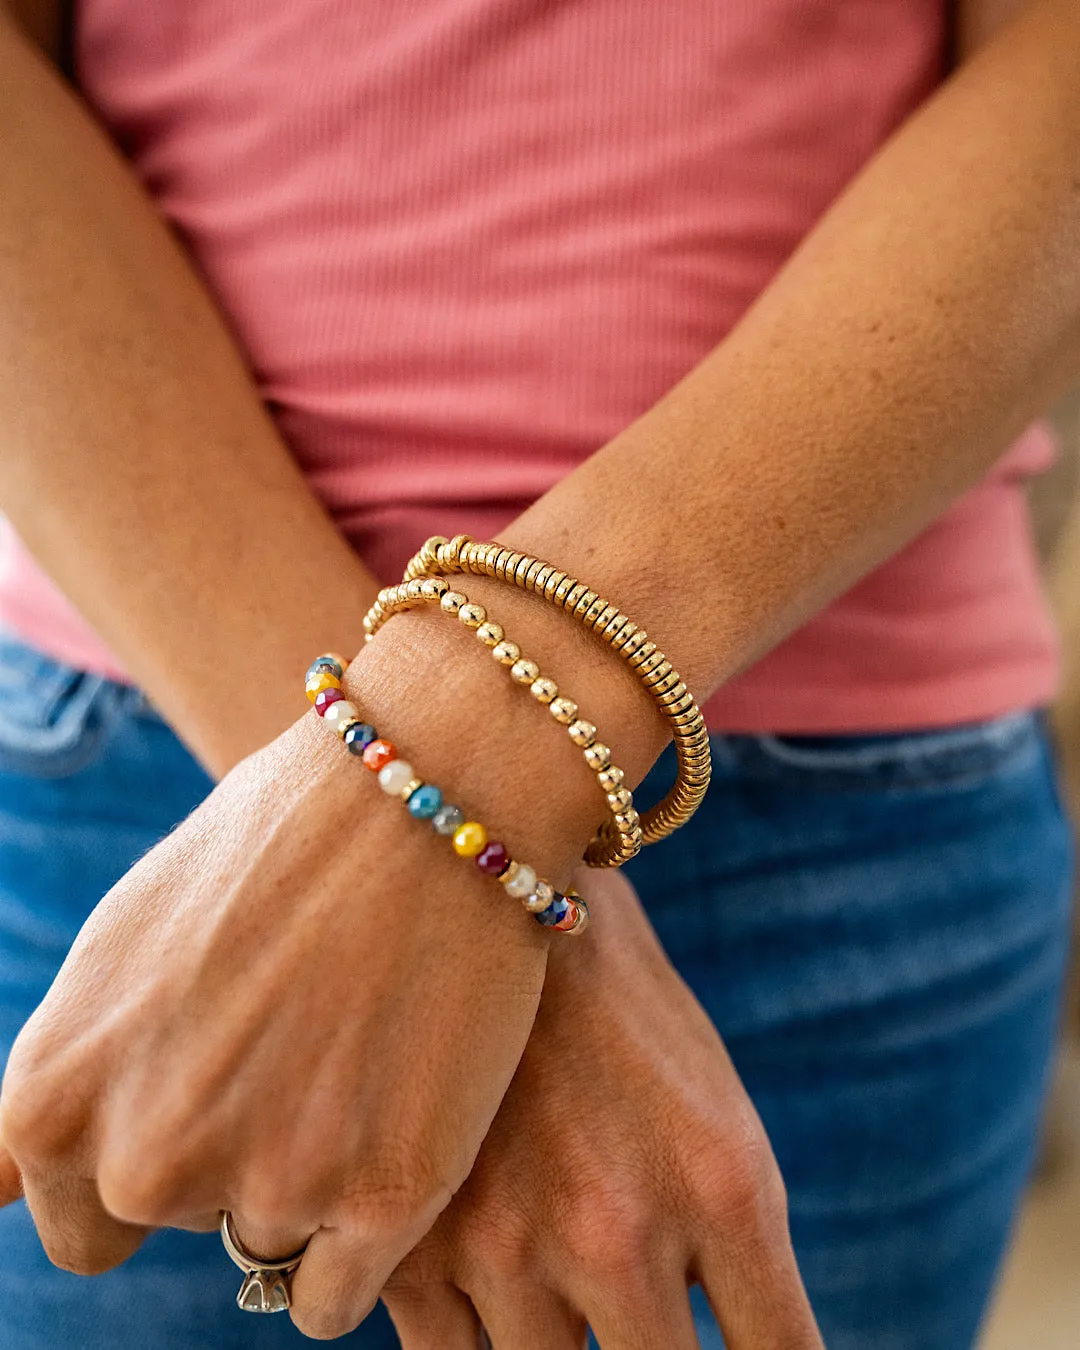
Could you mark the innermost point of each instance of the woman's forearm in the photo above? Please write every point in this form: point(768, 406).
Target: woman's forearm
point(932, 313)
point(136, 459)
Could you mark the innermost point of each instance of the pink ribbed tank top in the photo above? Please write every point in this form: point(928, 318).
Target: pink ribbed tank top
point(465, 242)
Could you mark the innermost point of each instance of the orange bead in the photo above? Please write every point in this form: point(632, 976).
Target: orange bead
point(378, 754)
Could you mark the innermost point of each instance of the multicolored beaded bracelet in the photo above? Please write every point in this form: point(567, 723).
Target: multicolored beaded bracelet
point(424, 801)
point(621, 838)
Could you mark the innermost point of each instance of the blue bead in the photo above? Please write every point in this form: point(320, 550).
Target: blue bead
point(425, 801)
point(329, 663)
point(359, 736)
point(554, 912)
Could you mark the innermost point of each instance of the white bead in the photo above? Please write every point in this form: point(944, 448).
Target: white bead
point(341, 713)
point(522, 883)
point(395, 777)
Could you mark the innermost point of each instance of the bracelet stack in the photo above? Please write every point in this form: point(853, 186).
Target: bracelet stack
point(424, 801)
point(612, 844)
point(621, 838)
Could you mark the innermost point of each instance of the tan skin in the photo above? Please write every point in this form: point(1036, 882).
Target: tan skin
point(932, 313)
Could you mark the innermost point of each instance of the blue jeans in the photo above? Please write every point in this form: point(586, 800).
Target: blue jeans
point(877, 925)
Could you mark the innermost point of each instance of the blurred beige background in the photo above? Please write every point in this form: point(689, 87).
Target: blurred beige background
point(1038, 1304)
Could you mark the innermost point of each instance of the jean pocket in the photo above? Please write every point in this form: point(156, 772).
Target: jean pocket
point(54, 719)
point(948, 757)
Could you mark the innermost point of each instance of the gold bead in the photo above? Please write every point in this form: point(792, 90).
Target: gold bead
point(414, 589)
point(469, 839)
point(506, 653)
point(524, 671)
point(452, 601)
point(626, 820)
point(597, 755)
point(408, 790)
point(472, 616)
point(490, 634)
point(620, 799)
point(563, 710)
point(431, 587)
point(611, 778)
point(581, 732)
point(543, 689)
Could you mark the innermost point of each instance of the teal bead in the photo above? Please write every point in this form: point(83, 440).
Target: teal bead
point(425, 801)
point(331, 663)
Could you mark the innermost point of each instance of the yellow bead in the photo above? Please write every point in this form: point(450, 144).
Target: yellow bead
point(470, 839)
point(323, 679)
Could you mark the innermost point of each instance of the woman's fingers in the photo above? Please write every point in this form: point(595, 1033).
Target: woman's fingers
point(755, 1290)
point(652, 1317)
point(341, 1277)
point(435, 1317)
point(530, 1319)
point(76, 1230)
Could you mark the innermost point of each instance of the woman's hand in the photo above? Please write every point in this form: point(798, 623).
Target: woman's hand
point(301, 1006)
point(625, 1162)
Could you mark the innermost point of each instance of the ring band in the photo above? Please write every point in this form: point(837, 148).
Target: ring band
point(266, 1286)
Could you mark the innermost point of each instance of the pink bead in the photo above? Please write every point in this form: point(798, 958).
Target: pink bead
point(493, 859)
point(325, 698)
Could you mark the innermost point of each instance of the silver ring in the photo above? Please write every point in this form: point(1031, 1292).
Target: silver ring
point(266, 1287)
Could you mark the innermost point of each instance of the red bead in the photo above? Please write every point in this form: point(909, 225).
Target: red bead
point(378, 754)
point(493, 859)
point(325, 698)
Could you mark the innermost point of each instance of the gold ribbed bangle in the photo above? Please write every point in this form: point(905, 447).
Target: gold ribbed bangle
point(620, 837)
point(462, 554)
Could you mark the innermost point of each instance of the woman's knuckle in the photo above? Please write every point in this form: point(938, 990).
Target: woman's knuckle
point(269, 1203)
point(37, 1119)
point(510, 1251)
point(390, 1204)
point(611, 1232)
point(136, 1190)
point(744, 1189)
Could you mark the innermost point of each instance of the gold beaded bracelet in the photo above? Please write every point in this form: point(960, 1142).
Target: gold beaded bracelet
point(620, 839)
point(462, 554)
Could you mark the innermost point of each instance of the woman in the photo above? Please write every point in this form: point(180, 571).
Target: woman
point(451, 249)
